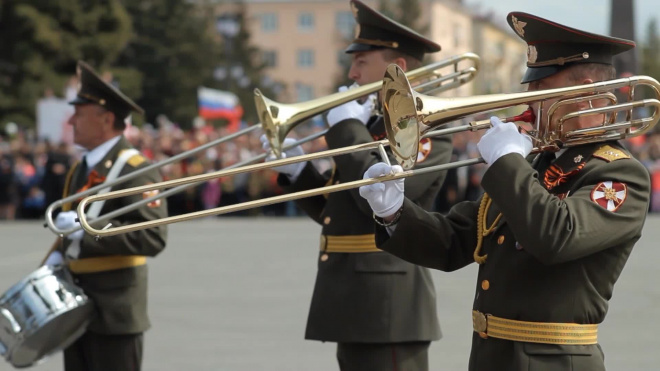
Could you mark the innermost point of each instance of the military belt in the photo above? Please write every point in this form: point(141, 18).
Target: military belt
point(349, 244)
point(487, 325)
point(106, 263)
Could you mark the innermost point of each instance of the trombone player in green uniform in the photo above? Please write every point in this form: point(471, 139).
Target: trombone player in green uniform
point(551, 237)
point(380, 309)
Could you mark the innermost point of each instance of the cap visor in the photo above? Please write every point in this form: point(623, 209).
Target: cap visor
point(81, 100)
point(538, 73)
point(355, 47)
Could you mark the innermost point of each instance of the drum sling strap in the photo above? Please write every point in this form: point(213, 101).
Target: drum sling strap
point(104, 263)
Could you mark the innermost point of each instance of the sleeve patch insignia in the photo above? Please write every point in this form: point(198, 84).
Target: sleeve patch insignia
point(424, 149)
point(610, 195)
point(148, 194)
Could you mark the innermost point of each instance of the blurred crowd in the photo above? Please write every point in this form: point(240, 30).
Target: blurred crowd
point(33, 171)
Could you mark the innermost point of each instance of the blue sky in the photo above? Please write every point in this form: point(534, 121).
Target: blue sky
point(590, 15)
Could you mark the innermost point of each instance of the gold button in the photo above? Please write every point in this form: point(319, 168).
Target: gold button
point(483, 335)
point(500, 240)
point(485, 284)
point(326, 220)
point(324, 257)
point(108, 164)
point(337, 182)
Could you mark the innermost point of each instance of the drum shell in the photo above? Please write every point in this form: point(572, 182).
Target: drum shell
point(42, 314)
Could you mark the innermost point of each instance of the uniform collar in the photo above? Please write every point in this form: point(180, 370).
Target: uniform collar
point(94, 156)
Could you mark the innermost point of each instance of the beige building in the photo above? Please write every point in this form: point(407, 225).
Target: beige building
point(303, 41)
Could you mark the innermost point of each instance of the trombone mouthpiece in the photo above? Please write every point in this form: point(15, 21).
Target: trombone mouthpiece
point(527, 116)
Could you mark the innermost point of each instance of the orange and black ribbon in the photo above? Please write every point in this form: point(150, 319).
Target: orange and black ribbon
point(555, 176)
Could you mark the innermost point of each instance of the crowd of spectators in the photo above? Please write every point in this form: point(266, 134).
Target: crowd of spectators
point(33, 171)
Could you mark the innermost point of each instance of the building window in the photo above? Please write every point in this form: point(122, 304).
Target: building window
point(269, 58)
point(305, 58)
point(345, 23)
point(269, 22)
point(304, 92)
point(306, 22)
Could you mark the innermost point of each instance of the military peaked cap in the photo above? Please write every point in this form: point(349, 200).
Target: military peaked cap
point(93, 90)
point(551, 47)
point(374, 31)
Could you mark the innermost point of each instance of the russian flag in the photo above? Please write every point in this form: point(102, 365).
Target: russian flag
point(218, 104)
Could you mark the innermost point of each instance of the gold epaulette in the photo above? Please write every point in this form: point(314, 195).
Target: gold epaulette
point(609, 153)
point(135, 160)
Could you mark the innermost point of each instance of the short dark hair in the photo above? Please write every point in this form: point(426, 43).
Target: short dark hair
point(120, 123)
point(411, 62)
point(594, 71)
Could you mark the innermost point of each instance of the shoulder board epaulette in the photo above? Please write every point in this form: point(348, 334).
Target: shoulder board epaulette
point(135, 160)
point(609, 153)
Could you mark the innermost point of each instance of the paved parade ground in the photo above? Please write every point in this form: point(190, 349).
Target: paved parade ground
point(233, 294)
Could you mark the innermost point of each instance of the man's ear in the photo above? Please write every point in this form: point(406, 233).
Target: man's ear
point(587, 81)
point(401, 62)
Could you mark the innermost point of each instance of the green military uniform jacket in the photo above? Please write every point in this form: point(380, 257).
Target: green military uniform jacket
point(368, 297)
point(120, 295)
point(554, 255)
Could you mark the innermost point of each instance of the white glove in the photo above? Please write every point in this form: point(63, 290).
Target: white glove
point(54, 258)
point(502, 139)
point(387, 197)
point(351, 110)
point(292, 171)
point(67, 220)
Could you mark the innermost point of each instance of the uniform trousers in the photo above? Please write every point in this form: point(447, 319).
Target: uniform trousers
point(409, 356)
point(97, 352)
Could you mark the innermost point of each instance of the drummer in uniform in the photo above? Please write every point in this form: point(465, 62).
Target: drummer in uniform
point(380, 309)
point(112, 271)
point(551, 234)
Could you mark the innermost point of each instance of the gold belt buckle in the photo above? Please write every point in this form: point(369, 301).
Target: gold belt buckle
point(480, 321)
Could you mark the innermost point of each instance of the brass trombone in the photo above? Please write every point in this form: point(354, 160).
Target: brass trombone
point(277, 120)
point(409, 116)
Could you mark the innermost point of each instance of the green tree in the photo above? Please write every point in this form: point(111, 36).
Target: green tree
point(174, 51)
point(651, 51)
point(41, 42)
point(406, 12)
point(241, 63)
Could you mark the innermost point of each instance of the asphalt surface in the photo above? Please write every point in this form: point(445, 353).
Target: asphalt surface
point(233, 294)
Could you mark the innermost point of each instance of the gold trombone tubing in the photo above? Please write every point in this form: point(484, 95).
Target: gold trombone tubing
point(86, 225)
point(278, 120)
point(50, 223)
point(408, 113)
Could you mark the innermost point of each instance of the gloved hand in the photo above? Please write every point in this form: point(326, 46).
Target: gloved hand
point(351, 110)
point(292, 171)
point(67, 220)
point(502, 139)
point(54, 258)
point(387, 197)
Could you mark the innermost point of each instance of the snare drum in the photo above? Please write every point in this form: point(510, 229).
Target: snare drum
point(42, 314)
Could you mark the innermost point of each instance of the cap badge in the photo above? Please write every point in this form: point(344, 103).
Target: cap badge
point(532, 54)
point(519, 26)
point(577, 158)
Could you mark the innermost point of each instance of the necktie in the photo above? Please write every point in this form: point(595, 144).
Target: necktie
point(81, 178)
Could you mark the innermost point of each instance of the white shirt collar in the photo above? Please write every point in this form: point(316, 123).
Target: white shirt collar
point(94, 156)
